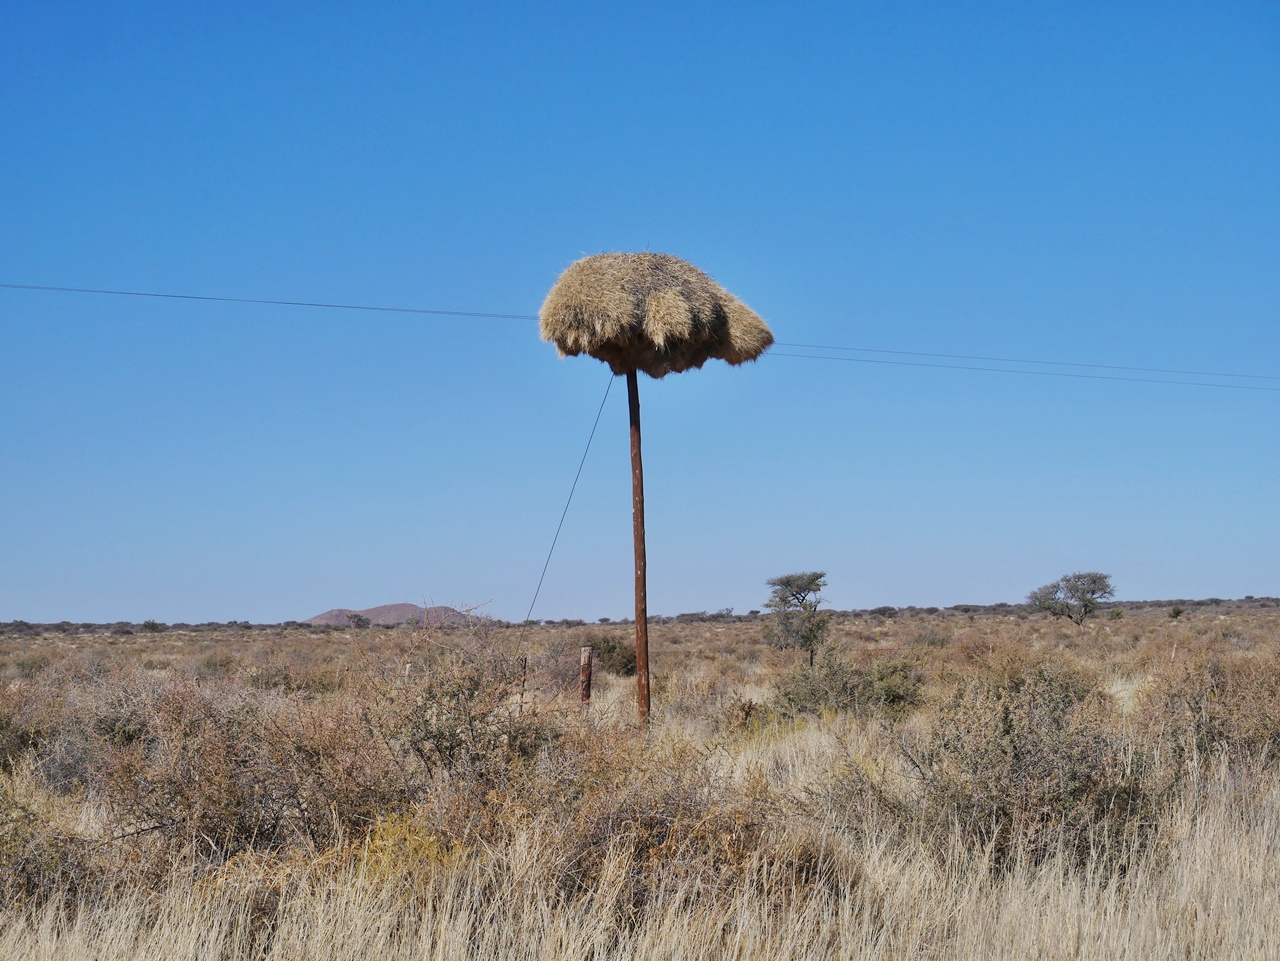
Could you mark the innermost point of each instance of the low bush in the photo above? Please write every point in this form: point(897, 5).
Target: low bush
point(1215, 704)
point(933, 637)
point(658, 809)
point(20, 727)
point(886, 688)
point(617, 656)
point(37, 863)
point(468, 715)
point(1034, 768)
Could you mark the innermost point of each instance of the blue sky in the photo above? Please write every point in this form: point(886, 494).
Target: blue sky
point(1083, 183)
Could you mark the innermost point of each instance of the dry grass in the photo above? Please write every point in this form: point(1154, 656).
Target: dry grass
point(940, 787)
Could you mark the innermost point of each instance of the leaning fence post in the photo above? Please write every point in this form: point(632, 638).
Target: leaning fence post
point(584, 679)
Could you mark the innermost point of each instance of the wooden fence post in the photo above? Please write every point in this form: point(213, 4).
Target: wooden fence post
point(584, 679)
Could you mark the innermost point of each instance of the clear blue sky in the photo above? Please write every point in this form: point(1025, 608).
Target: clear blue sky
point(1082, 183)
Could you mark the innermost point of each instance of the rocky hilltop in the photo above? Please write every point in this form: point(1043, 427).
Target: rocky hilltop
point(388, 615)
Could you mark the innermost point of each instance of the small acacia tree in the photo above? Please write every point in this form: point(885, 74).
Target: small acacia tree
point(1073, 596)
point(795, 620)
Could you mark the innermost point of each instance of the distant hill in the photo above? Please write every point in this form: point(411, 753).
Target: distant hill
point(388, 615)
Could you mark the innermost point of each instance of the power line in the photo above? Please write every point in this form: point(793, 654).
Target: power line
point(1014, 360)
point(1035, 373)
point(844, 349)
point(274, 303)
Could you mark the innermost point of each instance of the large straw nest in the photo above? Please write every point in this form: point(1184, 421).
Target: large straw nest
point(649, 312)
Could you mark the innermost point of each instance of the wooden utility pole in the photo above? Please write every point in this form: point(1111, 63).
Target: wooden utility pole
point(653, 313)
point(637, 523)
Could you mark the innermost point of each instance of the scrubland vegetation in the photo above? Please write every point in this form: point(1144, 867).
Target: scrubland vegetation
point(939, 784)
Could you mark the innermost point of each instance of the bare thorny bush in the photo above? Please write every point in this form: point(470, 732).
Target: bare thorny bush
point(1021, 754)
point(203, 768)
point(226, 770)
point(433, 750)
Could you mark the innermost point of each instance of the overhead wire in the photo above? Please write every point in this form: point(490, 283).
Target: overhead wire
point(272, 303)
point(383, 309)
point(1039, 373)
point(1015, 360)
point(471, 314)
point(476, 314)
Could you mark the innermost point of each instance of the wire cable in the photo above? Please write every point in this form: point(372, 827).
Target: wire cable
point(1038, 373)
point(273, 303)
point(1014, 360)
point(474, 314)
point(573, 487)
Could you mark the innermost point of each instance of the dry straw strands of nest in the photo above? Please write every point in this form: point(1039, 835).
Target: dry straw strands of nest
point(649, 312)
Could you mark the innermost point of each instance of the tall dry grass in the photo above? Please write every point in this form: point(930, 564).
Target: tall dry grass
point(1208, 892)
point(939, 787)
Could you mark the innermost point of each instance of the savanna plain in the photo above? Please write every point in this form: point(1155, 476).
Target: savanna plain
point(963, 783)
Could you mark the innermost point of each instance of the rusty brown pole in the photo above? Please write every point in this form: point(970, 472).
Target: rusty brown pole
point(584, 679)
point(637, 524)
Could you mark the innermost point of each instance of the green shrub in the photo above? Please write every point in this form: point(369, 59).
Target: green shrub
point(886, 688)
point(617, 657)
point(931, 637)
point(1034, 768)
point(613, 655)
